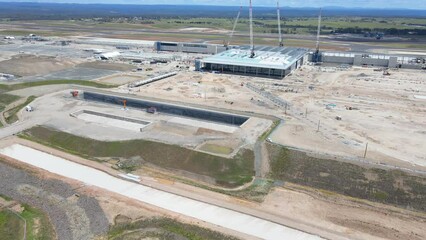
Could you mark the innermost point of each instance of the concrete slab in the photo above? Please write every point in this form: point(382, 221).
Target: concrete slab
point(204, 124)
point(111, 122)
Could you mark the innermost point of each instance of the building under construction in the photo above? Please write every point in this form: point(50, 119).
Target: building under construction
point(262, 61)
point(271, 62)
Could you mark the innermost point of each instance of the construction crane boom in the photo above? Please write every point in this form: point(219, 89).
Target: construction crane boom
point(233, 28)
point(318, 31)
point(252, 54)
point(280, 37)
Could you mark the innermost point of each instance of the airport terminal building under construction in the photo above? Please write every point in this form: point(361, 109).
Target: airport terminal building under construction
point(271, 62)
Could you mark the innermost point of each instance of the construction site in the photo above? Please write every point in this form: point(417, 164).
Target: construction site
point(233, 141)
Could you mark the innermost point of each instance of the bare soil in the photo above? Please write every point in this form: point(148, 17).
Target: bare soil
point(107, 66)
point(30, 65)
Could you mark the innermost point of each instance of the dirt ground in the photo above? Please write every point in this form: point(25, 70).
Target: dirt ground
point(358, 221)
point(215, 90)
point(330, 213)
point(55, 108)
point(107, 66)
point(375, 109)
point(385, 113)
point(30, 65)
point(121, 78)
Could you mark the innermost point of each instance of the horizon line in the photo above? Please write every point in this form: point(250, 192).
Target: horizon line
point(205, 5)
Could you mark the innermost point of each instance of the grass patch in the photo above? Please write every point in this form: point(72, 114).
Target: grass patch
point(11, 226)
point(38, 225)
point(213, 148)
point(11, 115)
point(255, 192)
point(385, 186)
point(227, 172)
point(5, 197)
point(6, 99)
point(12, 87)
point(163, 228)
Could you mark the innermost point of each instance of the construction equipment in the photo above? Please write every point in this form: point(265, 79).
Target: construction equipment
point(151, 110)
point(252, 54)
point(280, 38)
point(74, 93)
point(29, 108)
point(317, 57)
point(124, 101)
point(386, 72)
point(233, 28)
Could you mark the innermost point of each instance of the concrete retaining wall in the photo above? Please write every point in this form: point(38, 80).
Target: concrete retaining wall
point(219, 117)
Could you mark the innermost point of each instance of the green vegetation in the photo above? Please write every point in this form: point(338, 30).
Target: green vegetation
point(11, 115)
point(386, 186)
point(213, 148)
point(226, 172)
point(270, 130)
point(163, 228)
point(37, 32)
point(18, 86)
point(293, 25)
point(11, 226)
point(6, 99)
point(38, 226)
point(255, 192)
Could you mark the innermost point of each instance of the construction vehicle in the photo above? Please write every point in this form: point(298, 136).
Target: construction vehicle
point(152, 110)
point(29, 108)
point(74, 93)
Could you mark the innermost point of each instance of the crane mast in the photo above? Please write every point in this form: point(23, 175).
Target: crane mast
point(318, 32)
point(280, 37)
point(233, 28)
point(252, 54)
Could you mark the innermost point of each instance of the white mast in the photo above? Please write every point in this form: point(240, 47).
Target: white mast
point(318, 31)
point(279, 25)
point(233, 28)
point(251, 31)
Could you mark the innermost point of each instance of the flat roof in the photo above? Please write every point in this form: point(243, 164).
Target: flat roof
point(266, 57)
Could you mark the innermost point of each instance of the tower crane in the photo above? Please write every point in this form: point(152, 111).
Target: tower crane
point(252, 54)
point(233, 28)
point(316, 56)
point(280, 37)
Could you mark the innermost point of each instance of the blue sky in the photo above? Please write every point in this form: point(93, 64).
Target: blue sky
point(410, 4)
